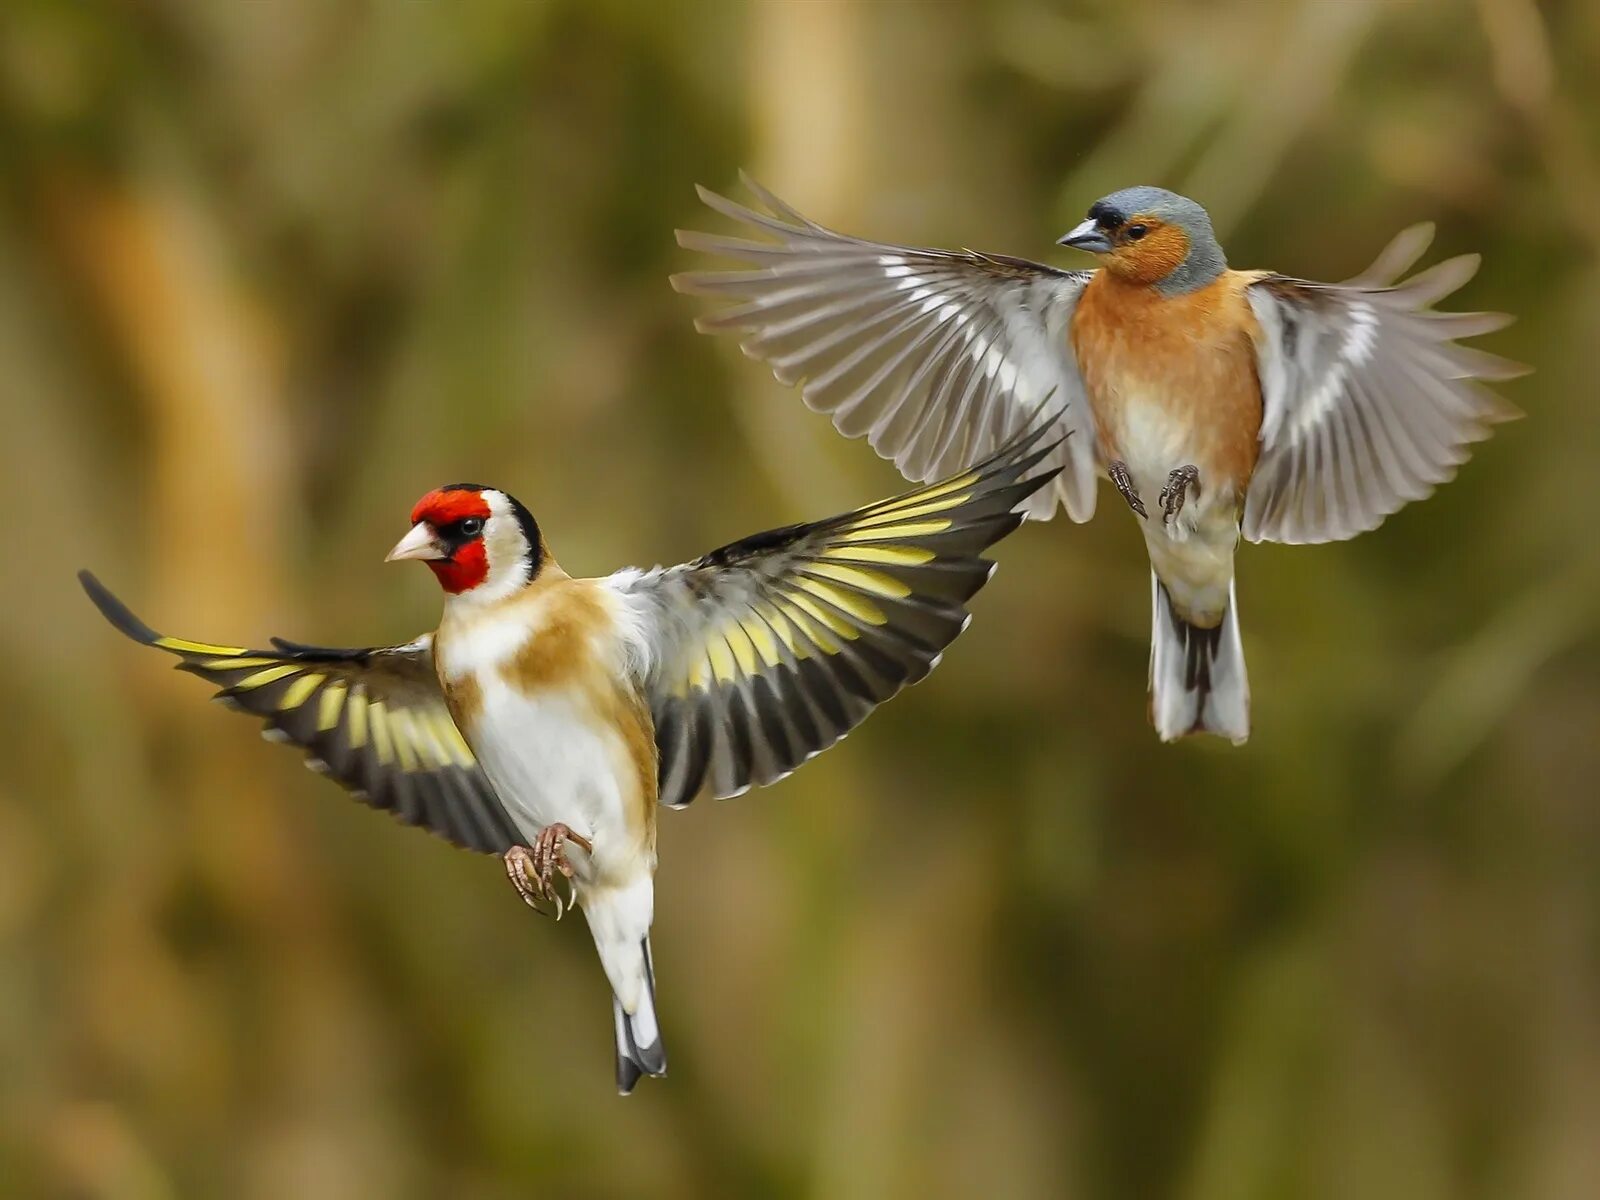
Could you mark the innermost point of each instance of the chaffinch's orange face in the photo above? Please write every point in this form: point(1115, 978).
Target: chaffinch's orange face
point(1145, 249)
point(1153, 237)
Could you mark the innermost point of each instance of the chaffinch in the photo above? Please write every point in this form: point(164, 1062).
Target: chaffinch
point(1216, 401)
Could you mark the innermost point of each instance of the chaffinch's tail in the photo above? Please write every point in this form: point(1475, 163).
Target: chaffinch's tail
point(1197, 676)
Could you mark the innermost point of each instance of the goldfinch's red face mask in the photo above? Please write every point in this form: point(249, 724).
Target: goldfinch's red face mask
point(475, 539)
point(447, 533)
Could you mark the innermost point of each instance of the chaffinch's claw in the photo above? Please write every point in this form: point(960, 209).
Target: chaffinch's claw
point(1177, 490)
point(1123, 482)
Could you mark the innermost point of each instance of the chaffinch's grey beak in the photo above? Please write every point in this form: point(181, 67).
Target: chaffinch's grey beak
point(1087, 236)
point(419, 543)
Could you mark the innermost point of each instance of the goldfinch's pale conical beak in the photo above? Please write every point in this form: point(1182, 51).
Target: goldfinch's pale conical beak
point(419, 543)
point(1087, 236)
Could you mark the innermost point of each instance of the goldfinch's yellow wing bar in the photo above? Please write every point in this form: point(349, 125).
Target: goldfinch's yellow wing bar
point(771, 649)
point(372, 719)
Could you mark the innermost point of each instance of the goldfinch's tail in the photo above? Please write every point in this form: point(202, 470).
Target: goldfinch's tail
point(639, 1048)
point(1197, 676)
point(619, 918)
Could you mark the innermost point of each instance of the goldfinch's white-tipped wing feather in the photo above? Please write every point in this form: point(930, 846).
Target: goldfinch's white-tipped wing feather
point(771, 649)
point(1369, 402)
point(936, 357)
point(372, 719)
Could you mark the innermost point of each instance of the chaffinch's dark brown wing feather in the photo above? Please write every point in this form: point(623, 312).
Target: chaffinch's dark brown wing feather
point(1369, 402)
point(372, 719)
point(771, 649)
point(936, 357)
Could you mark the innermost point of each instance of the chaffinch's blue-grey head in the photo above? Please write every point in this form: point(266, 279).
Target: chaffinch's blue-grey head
point(1152, 236)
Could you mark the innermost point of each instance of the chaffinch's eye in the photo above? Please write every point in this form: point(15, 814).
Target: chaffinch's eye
point(470, 526)
point(1135, 232)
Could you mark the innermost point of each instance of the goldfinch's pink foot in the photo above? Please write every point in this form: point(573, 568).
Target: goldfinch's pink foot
point(548, 858)
point(519, 869)
point(1176, 492)
point(1123, 482)
point(533, 869)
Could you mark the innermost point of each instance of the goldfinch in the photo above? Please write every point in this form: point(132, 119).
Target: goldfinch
point(547, 716)
point(1216, 401)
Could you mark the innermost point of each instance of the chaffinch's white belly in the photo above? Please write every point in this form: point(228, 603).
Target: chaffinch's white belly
point(1152, 440)
point(1193, 553)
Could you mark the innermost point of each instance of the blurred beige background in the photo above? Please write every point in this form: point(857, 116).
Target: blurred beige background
point(270, 271)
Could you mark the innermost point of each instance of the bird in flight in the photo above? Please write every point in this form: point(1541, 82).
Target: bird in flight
point(1216, 401)
point(547, 716)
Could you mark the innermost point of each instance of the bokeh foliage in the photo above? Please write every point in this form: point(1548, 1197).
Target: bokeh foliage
point(272, 270)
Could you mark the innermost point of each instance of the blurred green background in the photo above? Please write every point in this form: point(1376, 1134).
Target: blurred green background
point(270, 271)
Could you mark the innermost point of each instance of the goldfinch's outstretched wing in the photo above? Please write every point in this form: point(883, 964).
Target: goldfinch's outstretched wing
point(1369, 401)
point(936, 356)
point(372, 719)
point(771, 649)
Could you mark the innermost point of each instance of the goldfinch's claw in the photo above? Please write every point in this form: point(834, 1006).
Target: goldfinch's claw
point(1123, 482)
point(1177, 491)
point(519, 861)
point(533, 870)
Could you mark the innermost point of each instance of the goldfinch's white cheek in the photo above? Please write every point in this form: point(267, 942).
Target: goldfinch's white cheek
point(502, 535)
point(504, 541)
point(505, 551)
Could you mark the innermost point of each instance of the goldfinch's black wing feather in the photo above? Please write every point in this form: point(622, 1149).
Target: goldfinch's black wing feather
point(935, 356)
point(770, 649)
point(303, 650)
point(373, 719)
point(1369, 402)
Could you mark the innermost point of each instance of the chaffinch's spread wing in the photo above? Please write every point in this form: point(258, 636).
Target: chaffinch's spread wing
point(372, 719)
point(771, 649)
point(936, 357)
point(1369, 402)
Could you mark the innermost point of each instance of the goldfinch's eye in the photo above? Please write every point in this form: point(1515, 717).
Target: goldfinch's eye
point(1135, 232)
point(470, 526)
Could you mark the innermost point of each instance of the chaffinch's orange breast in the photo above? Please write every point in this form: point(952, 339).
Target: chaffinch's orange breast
point(1188, 357)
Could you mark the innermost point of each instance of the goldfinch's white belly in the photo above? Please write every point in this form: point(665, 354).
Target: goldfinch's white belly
point(549, 745)
point(550, 760)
